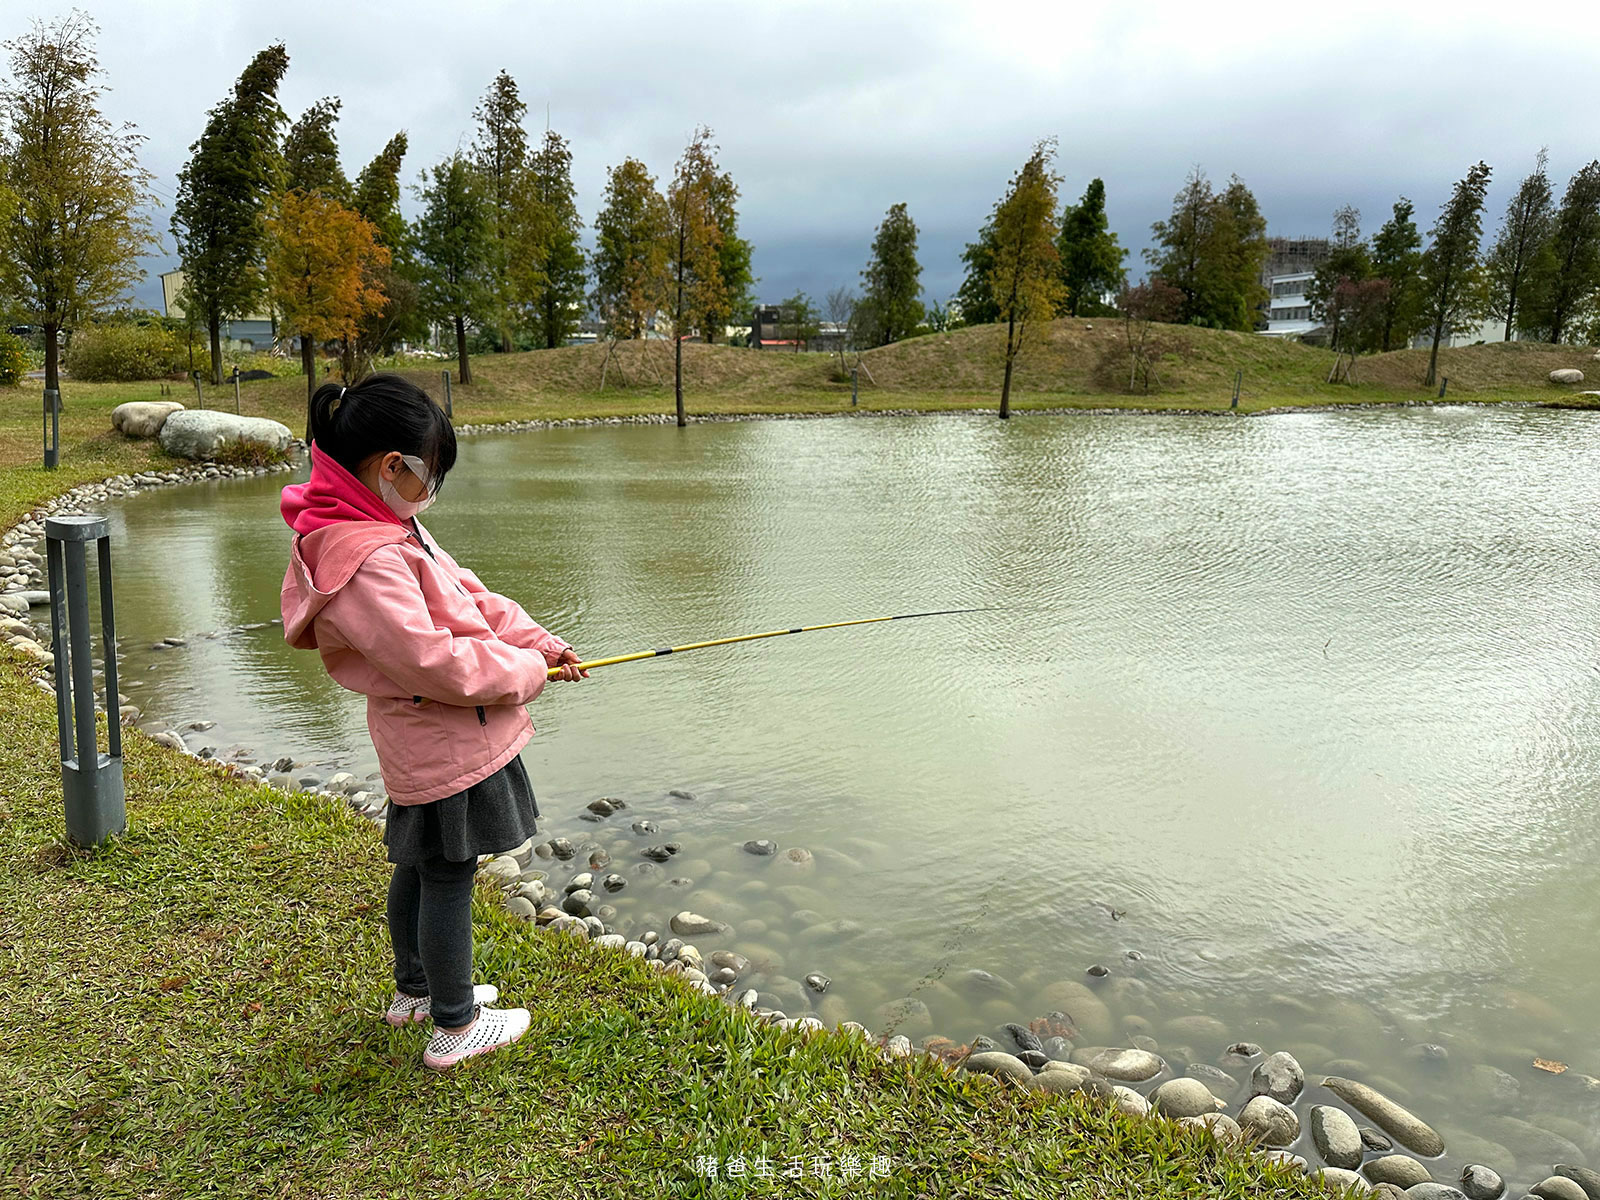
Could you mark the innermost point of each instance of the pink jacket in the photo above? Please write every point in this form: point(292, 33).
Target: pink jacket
point(446, 664)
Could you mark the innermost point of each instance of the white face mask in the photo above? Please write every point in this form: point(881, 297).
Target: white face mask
point(400, 506)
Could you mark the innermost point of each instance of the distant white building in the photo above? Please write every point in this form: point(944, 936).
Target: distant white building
point(1289, 312)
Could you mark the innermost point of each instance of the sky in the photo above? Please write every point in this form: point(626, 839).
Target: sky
point(828, 113)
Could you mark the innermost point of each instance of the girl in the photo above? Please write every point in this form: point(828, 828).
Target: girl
point(446, 666)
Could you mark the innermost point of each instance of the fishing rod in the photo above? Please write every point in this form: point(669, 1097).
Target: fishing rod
point(750, 637)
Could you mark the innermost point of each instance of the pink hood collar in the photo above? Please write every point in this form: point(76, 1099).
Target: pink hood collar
point(338, 522)
point(332, 495)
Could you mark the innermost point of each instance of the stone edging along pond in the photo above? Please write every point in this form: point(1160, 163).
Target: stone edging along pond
point(1048, 1053)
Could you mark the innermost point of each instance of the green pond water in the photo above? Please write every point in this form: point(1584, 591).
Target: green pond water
point(1304, 709)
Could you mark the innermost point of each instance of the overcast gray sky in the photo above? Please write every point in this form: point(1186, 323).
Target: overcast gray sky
point(828, 113)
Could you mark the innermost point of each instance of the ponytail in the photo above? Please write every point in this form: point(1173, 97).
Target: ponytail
point(352, 422)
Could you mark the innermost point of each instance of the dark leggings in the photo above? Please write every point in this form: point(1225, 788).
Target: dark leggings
point(430, 927)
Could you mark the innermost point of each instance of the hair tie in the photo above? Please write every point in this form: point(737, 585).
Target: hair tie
point(334, 407)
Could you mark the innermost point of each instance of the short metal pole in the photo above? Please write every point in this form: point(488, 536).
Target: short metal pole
point(854, 371)
point(52, 428)
point(1443, 383)
point(199, 400)
point(447, 406)
point(91, 782)
point(236, 390)
point(1238, 378)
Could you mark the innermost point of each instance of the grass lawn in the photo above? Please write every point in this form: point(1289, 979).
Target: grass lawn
point(195, 1009)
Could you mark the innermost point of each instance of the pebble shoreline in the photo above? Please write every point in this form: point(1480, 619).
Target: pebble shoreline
point(1051, 1053)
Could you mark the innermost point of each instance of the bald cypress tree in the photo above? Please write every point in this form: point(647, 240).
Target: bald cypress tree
point(74, 210)
point(500, 154)
point(377, 199)
point(311, 153)
point(891, 282)
point(1091, 258)
point(1453, 287)
point(1523, 235)
point(557, 301)
point(234, 169)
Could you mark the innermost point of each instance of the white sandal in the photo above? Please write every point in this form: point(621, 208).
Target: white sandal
point(404, 1009)
point(491, 1028)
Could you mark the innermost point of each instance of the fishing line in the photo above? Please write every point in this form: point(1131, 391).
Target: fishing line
point(750, 637)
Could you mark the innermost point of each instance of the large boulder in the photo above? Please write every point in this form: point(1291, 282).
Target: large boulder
point(200, 434)
point(142, 418)
point(1566, 375)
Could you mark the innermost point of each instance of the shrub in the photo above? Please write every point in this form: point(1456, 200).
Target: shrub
point(13, 360)
point(248, 454)
point(119, 353)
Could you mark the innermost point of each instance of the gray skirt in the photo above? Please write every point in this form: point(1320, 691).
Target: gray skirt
point(494, 815)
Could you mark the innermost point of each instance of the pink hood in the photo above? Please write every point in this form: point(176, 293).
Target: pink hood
point(446, 665)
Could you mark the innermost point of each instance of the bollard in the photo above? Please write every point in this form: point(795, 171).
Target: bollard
point(853, 372)
point(52, 428)
point(236, 390)
point(1443, 383)
point(91, 782)
point(199, 400)
point(447, 410)
point(1238, 381)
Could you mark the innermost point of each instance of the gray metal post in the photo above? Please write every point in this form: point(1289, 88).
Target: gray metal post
point(1238, 378)
point(91, 782)
point(853, 373)
point(199, 400)
point(1443, 383)
point(447, 406)
point(52, 428)
point(236, 390)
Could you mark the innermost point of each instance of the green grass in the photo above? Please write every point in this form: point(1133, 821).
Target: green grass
point(195, 1009)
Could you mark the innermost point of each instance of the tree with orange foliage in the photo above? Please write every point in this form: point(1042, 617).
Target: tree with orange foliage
point(323, 269)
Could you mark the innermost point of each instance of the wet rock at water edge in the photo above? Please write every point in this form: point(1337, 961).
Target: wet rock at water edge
point(1336, 1137)
point(761, 846)
point(1240, 1054)
point(1279, 1076)
point(692, 924)
point(680, 794)
point(581, 880)
point(1376, 1139)
point(1274, 1123)
point(907, 1015)
point(1397, 1121)
point(1341, 1179)
point(598, 859)
point(1284, 1157)
point(577, 902)
point(605, 806)
point(981, 980)
point(1025, 1038)
point(818, 982)
point(1184, 1098)
point(1098, 971)
point(562, 848)
point(613, 882)
point(644, 826)
point(1481, 1183)
point(1222, 1085)
point(1588, 1180)
point(660, 853)
point(1133, 1066)
point(1559, 1187)
point(1498, 1088)
point(1399, 1169)
point(1434, 1191)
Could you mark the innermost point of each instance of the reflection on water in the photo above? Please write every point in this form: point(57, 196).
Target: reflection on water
point(1310, 700)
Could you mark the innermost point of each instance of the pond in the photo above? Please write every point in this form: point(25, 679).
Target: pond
point(1304, 710)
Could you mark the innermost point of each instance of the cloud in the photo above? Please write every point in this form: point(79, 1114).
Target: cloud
point(828, 113)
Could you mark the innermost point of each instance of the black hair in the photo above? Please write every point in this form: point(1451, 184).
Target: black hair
point(383, 412)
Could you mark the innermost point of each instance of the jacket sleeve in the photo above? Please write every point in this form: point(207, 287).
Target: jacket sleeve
point(382, 614)
point(511, 622)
